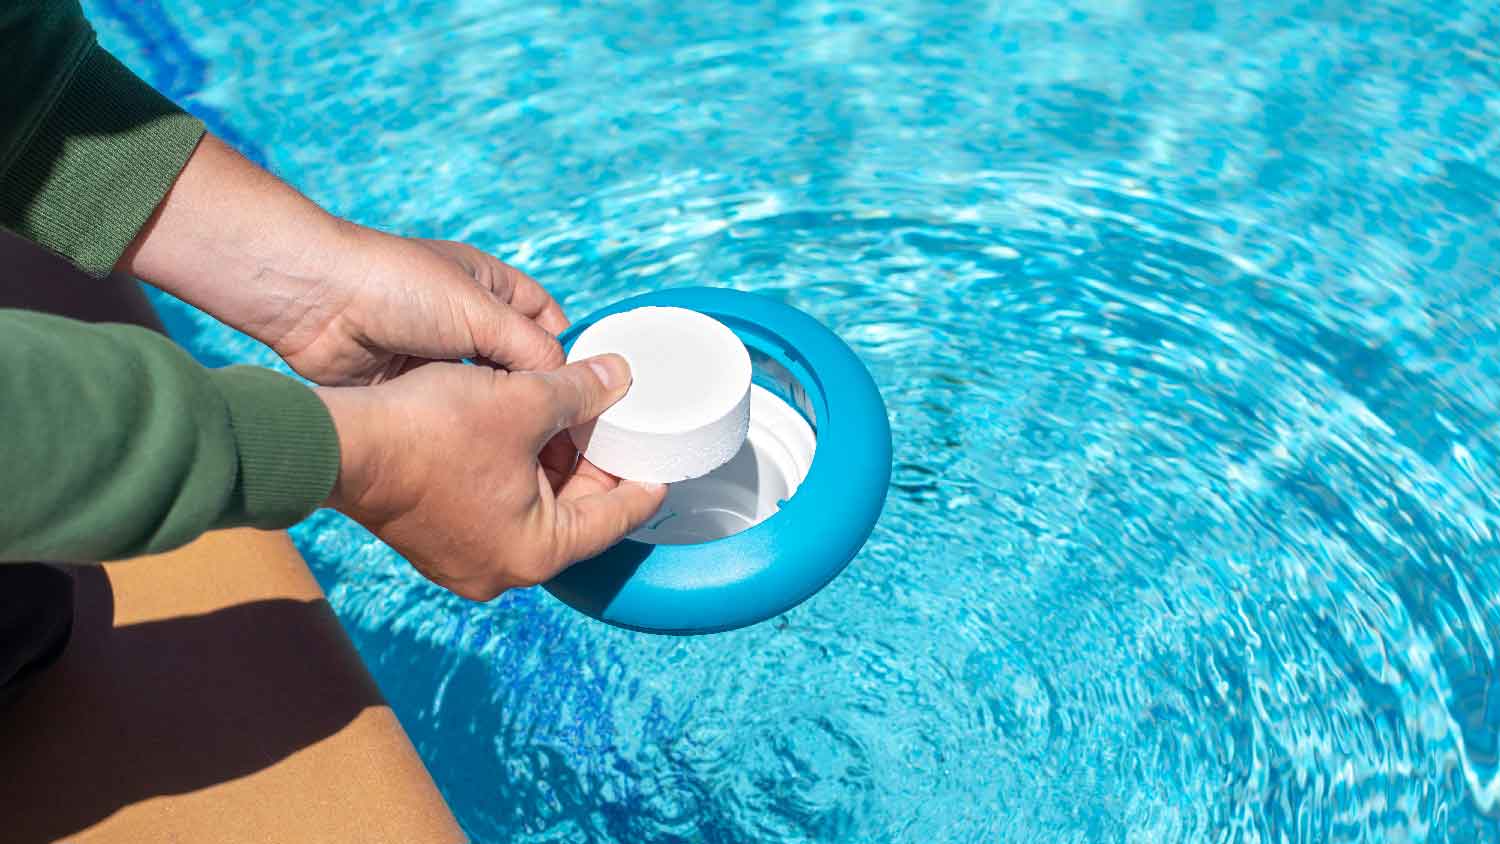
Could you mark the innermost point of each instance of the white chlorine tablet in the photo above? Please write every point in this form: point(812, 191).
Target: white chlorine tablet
point(688, 408)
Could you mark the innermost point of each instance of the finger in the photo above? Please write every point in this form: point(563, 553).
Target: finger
point(553, 319)
point(409, 364)
point(588, 524)
point(512, 286)
point(599, 477)
point(558, 458)
point(510, 339)
point(531, 299)
point(580, 391)
point(585, 479)
point(509, 285)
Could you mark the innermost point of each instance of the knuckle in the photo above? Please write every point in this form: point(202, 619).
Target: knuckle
point(618, 521)
point(532, 394)
point(500, 331)
point(582, 392)
point(589, 543)
point(566, 539)
point(552, 353)
point(540, 347)
point(505, 279)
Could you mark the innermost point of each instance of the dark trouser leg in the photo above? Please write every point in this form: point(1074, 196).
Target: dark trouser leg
point(36, 616)
point(36, 600)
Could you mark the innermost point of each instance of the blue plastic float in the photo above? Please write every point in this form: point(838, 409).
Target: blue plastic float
point(678, 575)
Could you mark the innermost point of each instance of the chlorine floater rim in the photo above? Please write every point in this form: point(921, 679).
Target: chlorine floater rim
point(779, 562)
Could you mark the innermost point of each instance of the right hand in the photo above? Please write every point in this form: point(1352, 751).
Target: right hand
point(449, 465)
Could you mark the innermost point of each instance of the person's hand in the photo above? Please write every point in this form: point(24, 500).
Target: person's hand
point(341, 303)
point(447, 465)
point(390, 303)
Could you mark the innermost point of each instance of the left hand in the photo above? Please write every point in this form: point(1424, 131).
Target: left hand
point(393, 303)
point(342, 304)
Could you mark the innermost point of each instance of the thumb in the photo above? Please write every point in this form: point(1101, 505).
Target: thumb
point(588, 524)
point(584, 389)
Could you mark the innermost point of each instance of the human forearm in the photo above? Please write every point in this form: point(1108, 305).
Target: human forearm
point(115, 443)
point(341, 303)
point(239, 243)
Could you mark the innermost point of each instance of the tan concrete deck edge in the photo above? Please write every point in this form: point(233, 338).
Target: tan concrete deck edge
point(209, 695)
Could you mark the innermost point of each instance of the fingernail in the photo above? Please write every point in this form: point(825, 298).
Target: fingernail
point(612, 370)
point(650, 486)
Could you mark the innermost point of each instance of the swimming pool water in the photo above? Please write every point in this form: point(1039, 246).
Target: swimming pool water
point(1185, 314)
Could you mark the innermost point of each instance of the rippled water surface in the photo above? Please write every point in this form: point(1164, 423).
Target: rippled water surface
point(1185, 314)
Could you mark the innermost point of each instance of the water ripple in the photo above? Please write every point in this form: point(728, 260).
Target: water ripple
point(1185, 316)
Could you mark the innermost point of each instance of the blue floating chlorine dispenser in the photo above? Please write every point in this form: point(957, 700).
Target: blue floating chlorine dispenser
point(803, 460)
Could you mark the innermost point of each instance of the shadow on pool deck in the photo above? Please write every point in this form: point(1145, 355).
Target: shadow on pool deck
point(152, 711)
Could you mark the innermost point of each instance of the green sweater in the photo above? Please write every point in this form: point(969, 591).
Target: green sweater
point(113, 442)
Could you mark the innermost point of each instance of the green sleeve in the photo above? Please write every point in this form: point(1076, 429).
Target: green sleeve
point(87, 149)
point(115, 443)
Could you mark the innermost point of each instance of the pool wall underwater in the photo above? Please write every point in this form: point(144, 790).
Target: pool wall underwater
point(1185, 317)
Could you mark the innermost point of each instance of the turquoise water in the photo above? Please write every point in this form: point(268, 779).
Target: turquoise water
point(1185, 314)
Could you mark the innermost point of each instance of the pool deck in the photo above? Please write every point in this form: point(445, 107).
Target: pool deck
point(209, 694)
